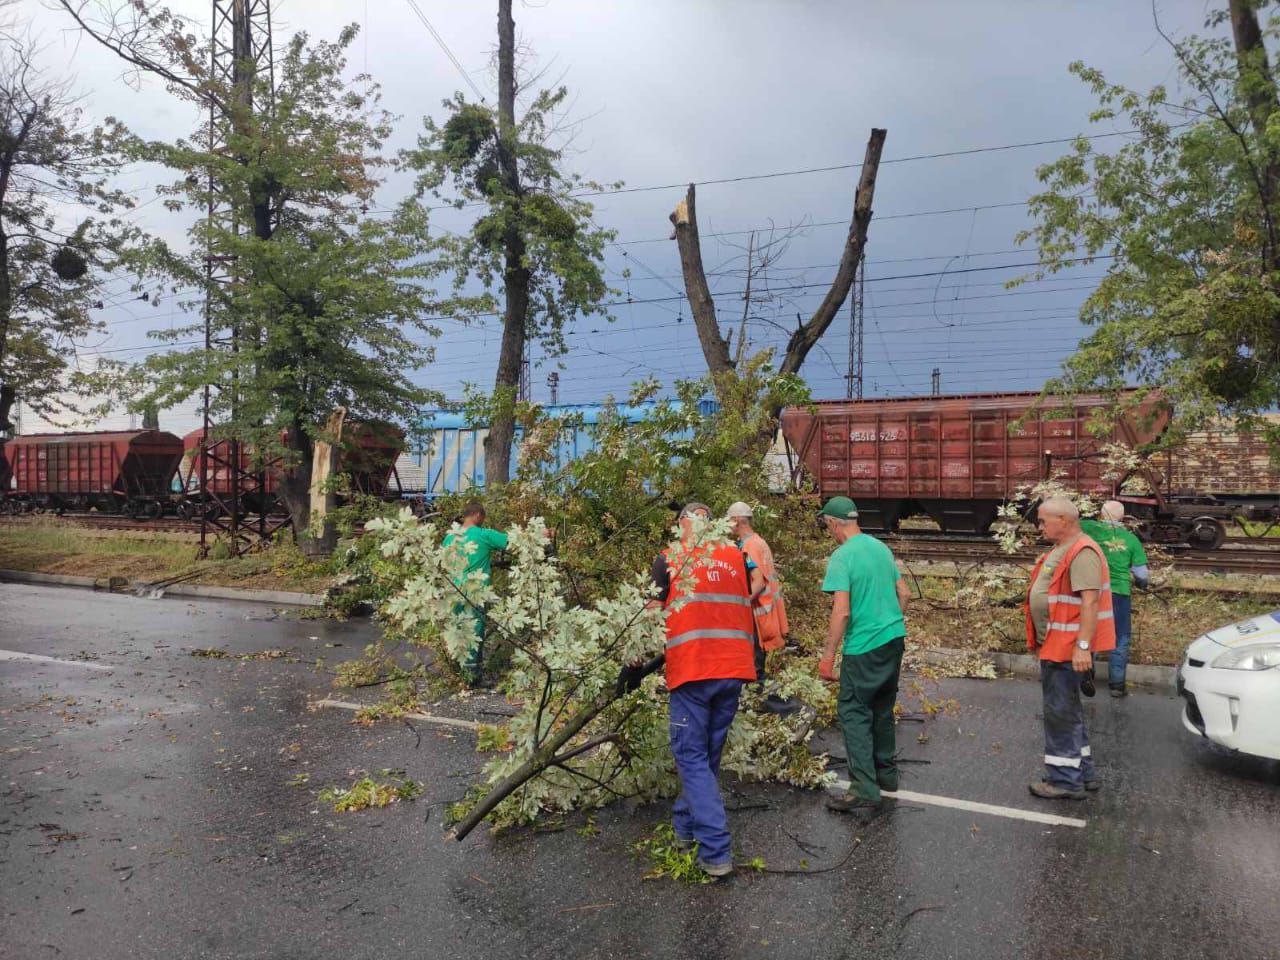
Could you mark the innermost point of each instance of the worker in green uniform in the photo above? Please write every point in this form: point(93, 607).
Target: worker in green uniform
point(479, 559)
point(1127, 562)
point(868, 599)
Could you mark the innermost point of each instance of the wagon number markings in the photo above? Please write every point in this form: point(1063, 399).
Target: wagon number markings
point(37, 658)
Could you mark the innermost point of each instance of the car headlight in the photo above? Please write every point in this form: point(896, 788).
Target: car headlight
point(1263, 656)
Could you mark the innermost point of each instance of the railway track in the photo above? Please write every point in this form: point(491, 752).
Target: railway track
point(1252, 561)
point(103, 522)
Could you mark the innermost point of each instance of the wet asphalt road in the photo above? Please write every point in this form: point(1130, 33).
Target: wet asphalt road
point(147, 811)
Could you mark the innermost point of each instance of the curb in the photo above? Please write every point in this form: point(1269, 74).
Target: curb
point(1026, 665)
point(120, 584)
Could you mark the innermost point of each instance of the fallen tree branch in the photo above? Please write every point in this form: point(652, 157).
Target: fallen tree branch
point(545, 756)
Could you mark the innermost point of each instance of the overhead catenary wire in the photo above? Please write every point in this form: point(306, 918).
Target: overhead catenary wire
point(413, 5)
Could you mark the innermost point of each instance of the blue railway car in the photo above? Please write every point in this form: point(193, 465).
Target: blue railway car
point(452, 459)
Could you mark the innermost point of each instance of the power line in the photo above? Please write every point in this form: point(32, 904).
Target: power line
point(445, 47)
point(855, 166)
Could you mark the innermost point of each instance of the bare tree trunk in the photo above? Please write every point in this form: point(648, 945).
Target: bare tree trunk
point(295, 480)
point(7, 392)
point(1259, 91)
point(714, 347)
point(497, 452)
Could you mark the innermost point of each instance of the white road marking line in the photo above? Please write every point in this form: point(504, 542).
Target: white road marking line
point(424, 717)
point(1012, 813)
point(37, 658)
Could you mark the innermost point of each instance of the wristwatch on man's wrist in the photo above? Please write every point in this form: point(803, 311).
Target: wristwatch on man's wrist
point(1082, 644)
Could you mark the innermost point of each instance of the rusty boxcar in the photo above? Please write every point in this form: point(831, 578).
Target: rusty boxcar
point(368, 459)
point(124, 472)
point(954, 458)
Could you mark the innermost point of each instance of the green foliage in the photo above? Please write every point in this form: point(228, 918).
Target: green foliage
point(1186, 214)
point(668, 860)
point(366, 792)
point(568, 621)
point(493, 738)
point(332, 300)
point(62, 231)
point(458, 162)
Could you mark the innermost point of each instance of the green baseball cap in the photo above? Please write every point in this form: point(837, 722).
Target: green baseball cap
point(842, 508)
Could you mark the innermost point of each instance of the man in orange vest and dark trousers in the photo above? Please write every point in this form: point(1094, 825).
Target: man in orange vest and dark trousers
point(710, 653)
point(1069, 619)
point(766, 588)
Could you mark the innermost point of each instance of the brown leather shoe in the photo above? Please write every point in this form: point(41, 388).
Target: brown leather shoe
point(1048, 791)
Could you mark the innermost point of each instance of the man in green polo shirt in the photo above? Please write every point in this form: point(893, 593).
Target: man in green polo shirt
point(868, 598)
point(479, 559)
point(1127, 562)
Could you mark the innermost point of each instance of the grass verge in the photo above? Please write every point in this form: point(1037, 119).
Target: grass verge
point(50, 546)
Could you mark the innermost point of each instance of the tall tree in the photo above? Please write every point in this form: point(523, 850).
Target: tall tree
point(1187, 218)
point(535, 236)
point(331, 300)
point(60, 230)
point(716, 346)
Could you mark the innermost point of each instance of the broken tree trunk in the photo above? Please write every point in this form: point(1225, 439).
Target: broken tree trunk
point(548, 755)
point(808, 334)
point(715, 348)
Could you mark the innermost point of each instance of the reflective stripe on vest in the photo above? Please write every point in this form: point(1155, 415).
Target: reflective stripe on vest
point(707, 634)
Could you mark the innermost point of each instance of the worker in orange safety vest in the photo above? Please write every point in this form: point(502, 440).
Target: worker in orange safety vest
point(1069, 619)
point(709, 654)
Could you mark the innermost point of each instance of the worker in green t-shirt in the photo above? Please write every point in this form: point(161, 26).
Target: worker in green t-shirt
point(868, 599)
point(1127, 562)
point(479, 559)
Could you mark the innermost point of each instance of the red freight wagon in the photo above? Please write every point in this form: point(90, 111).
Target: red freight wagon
point(369, 460)
point(127, 472)
point(954, 458)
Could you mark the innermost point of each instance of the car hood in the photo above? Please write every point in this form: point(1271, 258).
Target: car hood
point(1265, 627)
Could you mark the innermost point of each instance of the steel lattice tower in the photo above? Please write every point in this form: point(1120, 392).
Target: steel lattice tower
point(241, 53)
point(853, 379)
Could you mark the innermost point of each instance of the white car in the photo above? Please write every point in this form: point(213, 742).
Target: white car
point(1230, 682)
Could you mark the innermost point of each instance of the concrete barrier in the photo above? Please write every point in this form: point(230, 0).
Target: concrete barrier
point(122, 585)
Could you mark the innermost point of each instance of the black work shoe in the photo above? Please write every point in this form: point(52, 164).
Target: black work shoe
point(1093, 786)
point(1048, 791)
point(1119, 692)
point(783, 707)
point(1086, 685)
point(685, 844)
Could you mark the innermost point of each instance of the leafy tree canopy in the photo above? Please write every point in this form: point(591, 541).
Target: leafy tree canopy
point(1187, 217)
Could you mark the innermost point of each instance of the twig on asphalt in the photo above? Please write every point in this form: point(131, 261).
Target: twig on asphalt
point(796, 871)
point(418, 743)
point(927, 906)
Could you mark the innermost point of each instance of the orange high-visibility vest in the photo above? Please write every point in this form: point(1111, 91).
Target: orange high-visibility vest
point(711, 636)
point(769, 610)
point(1063, 629)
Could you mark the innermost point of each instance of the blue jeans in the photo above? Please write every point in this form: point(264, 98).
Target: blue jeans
point(701, 713)
point(1121, 609)
point(1067, 757)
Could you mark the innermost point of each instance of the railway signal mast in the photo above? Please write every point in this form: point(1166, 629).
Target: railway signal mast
point(241, 52)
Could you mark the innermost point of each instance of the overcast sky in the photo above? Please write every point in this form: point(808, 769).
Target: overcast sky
point(668, 91)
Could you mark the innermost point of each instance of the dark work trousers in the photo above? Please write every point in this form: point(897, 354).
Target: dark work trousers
point(1068, 760)
point(868, 691)
point(701, 713)
point(1122, 611)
